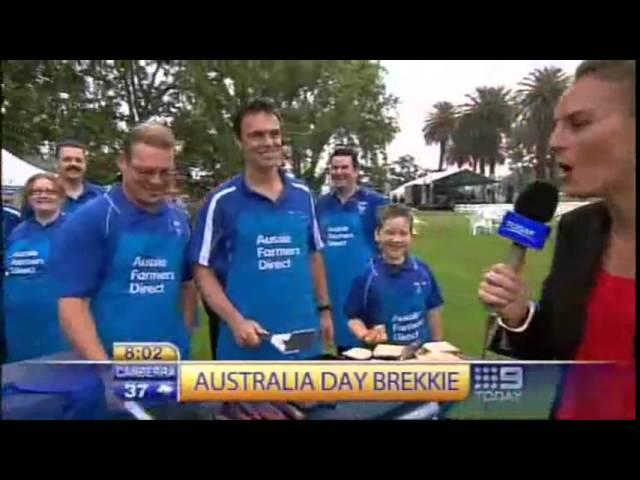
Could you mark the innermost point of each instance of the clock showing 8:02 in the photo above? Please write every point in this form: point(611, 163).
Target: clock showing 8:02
point(145, 352)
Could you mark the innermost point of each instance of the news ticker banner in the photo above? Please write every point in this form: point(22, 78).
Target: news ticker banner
point(153, 372)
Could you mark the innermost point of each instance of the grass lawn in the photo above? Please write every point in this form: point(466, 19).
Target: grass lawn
point(458, 260)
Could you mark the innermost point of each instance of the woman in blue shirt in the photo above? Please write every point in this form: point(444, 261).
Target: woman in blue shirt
point(396, 299)
point(30, 298)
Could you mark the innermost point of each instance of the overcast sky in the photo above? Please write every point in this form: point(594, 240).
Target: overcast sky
point(421, 83)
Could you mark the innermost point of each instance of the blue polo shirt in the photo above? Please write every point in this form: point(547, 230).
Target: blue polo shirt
point(398, 297)
point(131, 264)
point(261, 249)
point(90, 192)
point(30, 300)
point(348, 230)
point(180, 205)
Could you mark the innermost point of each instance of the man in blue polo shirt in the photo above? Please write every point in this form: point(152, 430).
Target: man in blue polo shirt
point(348, 220)
point(256, 250)
point(72, 166)
point(121, 261)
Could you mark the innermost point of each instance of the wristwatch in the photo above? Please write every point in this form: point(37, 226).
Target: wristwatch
point(322, 308)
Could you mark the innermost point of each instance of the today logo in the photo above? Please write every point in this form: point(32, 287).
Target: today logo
point(519, 229)
point(498, 383)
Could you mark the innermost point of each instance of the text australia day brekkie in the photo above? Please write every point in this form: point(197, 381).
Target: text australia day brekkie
point(279, 381)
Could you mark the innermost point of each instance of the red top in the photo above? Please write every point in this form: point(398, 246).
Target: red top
point(606, 392)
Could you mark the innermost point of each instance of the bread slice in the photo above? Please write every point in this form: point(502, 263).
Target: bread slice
point(389, 351)
point(437, 357)
point(444, 347)
point(358, 353)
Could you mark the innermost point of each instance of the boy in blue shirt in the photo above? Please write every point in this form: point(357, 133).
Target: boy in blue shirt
point(256, 250)
point(396, 299)
point(348, 219)
point(121, 260)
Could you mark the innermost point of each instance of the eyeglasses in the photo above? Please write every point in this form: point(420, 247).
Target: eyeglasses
point(149, 173)
point(43, 191)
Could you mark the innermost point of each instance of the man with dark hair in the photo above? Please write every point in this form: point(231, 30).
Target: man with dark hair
point(348, 220)
point(258, 106)
point(121, 260)
point(72, 166)
point(256, 250)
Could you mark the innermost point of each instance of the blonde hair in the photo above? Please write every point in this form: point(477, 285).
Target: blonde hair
point(28, 187)
point(152, 134)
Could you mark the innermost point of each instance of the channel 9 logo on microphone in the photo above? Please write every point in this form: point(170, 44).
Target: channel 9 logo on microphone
point(498, 383)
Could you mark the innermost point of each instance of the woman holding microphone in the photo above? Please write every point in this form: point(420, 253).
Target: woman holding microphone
point(587, 308)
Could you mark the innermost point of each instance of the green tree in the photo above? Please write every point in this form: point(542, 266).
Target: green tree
point(439, 126)
point(41, 102)
point(484, 126)
point(403, 170)
point(98, 101)
point(322, 103)
point(537, 98)
point(460, 150)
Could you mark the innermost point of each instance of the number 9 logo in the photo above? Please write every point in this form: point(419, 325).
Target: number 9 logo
point(511, 378)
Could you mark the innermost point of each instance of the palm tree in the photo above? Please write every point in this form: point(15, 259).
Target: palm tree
point(537, 98)
point(460, 151)
point(488, 116)
point(439, 126)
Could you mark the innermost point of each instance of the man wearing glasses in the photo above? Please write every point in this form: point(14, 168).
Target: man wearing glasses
point(121, 262)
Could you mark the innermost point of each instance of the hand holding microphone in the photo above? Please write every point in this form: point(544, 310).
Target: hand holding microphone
point(502, 289)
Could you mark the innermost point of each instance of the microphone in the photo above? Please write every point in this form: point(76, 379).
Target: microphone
point(526, 227)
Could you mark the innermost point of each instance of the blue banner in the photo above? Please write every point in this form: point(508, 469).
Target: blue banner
point(145, 390)
point(145, 372)
point(524, 231)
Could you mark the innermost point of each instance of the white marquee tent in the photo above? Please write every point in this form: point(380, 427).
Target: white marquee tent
point(15, 171)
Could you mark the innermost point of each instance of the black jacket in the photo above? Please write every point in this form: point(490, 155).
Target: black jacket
point(556, 330)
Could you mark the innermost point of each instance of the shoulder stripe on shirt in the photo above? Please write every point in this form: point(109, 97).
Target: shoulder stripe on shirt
point(367, 287)
point(11, 210)
point(112, 206)
point(317, 238)
point(205, 249)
